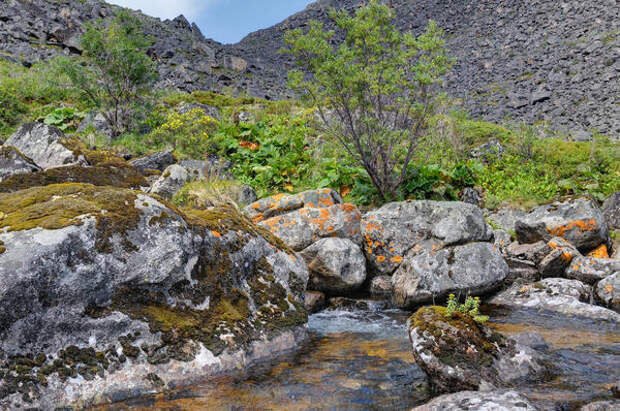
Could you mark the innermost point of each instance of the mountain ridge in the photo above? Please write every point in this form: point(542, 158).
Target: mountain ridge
point(516, 60)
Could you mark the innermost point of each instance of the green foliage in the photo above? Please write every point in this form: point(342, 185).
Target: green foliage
point(63, 118)
point(437, 183)
point(374, 90)
point(470, 308)
point(116, 73)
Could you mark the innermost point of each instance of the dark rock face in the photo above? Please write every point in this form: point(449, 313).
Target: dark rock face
point(156, 161)
point(460, 354)
point(93, 276)
point(527, 60)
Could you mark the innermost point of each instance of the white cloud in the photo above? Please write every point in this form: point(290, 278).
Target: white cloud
point(167, 9)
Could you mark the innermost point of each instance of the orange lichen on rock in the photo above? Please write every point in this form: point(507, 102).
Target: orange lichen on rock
point(567, 257)
point(396, 259)
point(380, 258)
point(582, 225)
point(599, 252)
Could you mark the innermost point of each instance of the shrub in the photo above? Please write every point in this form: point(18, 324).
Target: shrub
point(470, 308)
point(375, 91)
point(63, 118)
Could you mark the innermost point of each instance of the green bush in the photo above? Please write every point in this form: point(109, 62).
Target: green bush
point(470, 308)
point(63, 118)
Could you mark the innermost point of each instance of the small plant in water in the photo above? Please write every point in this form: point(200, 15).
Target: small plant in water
point(470, 307)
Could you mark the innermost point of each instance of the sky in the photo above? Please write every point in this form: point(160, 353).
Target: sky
point(226, 21)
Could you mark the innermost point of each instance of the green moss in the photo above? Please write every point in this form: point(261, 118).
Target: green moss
point(123, 177)
point(60, 205)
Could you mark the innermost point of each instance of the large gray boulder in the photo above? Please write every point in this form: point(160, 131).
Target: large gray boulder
point(45, 145)
point(570, 297)
point(473, 269)
point(303, 219)
point(13, 162)
point(172, 180)
point(495, 400)
point(458, 353)
point(107, 293)
point(608, 291)
point(579, 221)
point(611, 405)
point(505, 218)
point(155, 161)
point(397, 229)
point(611, 210)
point(337, 266)
point(591, 269)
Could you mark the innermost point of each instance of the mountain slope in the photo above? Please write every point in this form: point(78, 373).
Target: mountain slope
point(531, 60)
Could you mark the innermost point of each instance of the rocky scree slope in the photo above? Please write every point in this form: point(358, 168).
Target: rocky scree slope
point(515, 59)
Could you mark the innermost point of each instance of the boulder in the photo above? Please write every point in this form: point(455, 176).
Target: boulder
point(501, 240)
point(578, 221)
point(381, 286)
point(98, 123)
point(495, 400)
point(107, 293)
point(458, 353)
point(560, 257)
point(397, 229)
point(314, 301)
point(156, 161)
point(561, 295)
point(611, 211)
point(45, 145)
point(302, 219)
point(337, 266)
point(591, 270)
point(473, 269)
point(611, 405)
point(13, 162)
point(608, 291)
point(523, 260)
point(471, 195)
point(505, 218)
point(172, 179)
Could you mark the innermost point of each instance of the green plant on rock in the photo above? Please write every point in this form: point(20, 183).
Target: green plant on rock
point(470, 307)
point(63, 118)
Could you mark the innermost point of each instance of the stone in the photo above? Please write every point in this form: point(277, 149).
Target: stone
point(560, 257)
point(458, 353)
point(314, 301)
point(156, 161)
point(590, 270)
point(90, 276)
point(578, 221)
point(505, 218)
point(495, 400)
point(247, 195)
point(611, 211)
point(471, 269)
point(471, 195)
point(172, 180)
point(569, 297)
point(611, 405)
point(13, 162)
point(302, 219)
point(381, 286)
point(501, 240)
point(531, 339)
point(487, 151)
point(608, 291)
point(44, 145)
point(540, 96)
point(210, 111)
point(337, 266)
point(397, 229)
point(99, 123)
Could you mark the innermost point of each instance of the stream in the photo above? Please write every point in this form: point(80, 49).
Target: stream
point(361, 359)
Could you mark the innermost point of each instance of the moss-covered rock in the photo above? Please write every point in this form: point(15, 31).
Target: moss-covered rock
point(13, 162)
point(91, 276)
point(460, 354)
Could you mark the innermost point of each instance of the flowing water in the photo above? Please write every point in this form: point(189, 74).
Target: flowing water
point(362, 359)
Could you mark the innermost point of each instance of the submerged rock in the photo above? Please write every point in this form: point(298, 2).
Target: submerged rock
point(578, 221)
point(13, 162)
point(337, 266)
point(496, 400)
point(45, 145)
point(460, 354)
point(101, 288)
point(472, 269)
point(302, 219)
point(569, 297)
